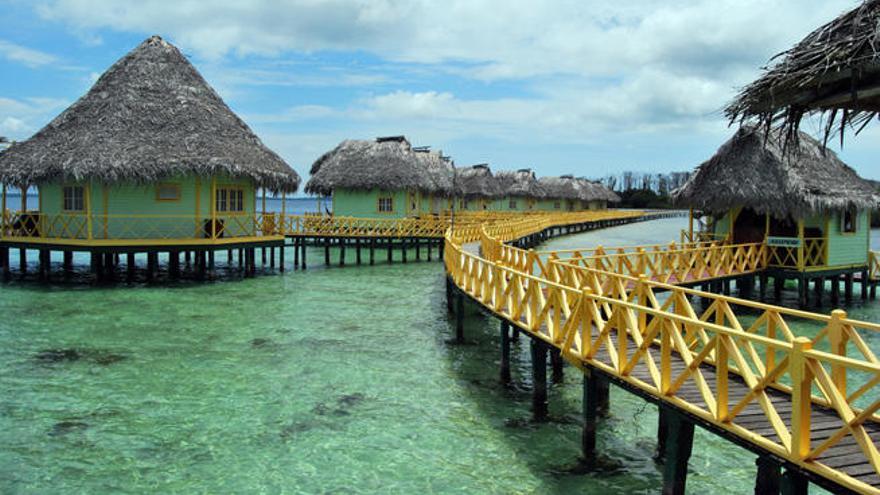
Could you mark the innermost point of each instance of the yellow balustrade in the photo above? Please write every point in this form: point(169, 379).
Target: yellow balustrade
point(733, 362)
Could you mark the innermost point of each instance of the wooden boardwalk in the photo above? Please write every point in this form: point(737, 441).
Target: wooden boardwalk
point(807, 405)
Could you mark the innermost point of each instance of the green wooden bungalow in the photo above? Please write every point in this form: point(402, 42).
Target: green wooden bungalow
point(476, 188)
point(561, 193)
point(594, 196)
point(520, 190)
point(382, 178)
point(811, 209)
point(151, 155)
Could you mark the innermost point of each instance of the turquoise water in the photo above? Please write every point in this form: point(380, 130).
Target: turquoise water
point(337, 380)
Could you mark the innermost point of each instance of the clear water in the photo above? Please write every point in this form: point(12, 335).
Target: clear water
point(337, 380)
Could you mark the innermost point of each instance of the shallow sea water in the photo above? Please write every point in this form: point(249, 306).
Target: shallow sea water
point(332, 380)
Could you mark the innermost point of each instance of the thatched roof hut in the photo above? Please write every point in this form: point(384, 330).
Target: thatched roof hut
point(149, 117)
point(835, 69)
point(386, 163)
point(754, 170)
point(521, 183)
point(594, 191)
point(476, 181)
point(562, 187)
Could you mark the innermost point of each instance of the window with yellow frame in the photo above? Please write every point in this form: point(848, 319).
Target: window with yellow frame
point(385, 204)
point(230, 199)
point(168, 192)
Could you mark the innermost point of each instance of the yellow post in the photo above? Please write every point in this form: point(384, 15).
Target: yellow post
point(665, 359)
point(283, 213)
point(641, 264)
point(198, 205)
point(801, 263)
point(838, 339)
point(213, 207)
point(641, 289)
point(721, 374)
point(88, 201)
point(801, 398)
point(104, 202)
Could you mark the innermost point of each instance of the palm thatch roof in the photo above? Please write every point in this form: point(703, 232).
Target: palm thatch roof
point(476, 181)
point(756, 171)
point(594, 191)
point(562, 187)
point(521, 183)
point(150, 116)
point(835, 69)
point(383, 163)
point(439, 168)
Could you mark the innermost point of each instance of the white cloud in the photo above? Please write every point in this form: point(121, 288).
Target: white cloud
point(583, 72)
point(24, 55)
point(19, 118)
point(676, 60)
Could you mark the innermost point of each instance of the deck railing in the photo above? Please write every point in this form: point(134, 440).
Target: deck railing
point(623, 325)
point(812, 253)
point(34, 225)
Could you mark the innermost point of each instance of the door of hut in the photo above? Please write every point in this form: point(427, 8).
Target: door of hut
point(749, 227)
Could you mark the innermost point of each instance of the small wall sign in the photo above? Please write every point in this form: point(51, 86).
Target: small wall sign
point(793, 242)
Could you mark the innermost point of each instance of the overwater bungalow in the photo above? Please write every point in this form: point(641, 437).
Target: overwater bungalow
point(385, 177)
point(150, 159)
point(561, 193)
point(809, 207)
point(476, 189)
point(520, 190)
point(595, 196)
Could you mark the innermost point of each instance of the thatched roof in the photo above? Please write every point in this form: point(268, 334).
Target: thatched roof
point(476, 181)
point(150, 116)
point(439, 168)
point(562, 187)
point(835, 69)
point(594, 191)
point(522, 183)
point(755, 171)
point(383, 163)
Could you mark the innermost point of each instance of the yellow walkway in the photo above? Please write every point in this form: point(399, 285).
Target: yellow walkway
point(809, 401)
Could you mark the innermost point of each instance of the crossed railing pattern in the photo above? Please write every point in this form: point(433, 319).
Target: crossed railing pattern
point(79, 226)
point(736, 364)
point(812, 254)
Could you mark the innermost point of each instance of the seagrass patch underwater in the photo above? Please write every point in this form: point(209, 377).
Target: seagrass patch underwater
point(332, 380)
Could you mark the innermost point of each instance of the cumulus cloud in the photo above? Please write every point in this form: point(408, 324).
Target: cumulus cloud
point(582, 71)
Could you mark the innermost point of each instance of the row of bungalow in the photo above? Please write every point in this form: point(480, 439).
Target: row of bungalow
point(388, 177)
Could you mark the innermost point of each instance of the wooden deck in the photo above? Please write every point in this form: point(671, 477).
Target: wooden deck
point(757, 385)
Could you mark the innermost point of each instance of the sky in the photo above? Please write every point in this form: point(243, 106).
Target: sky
point(584, 87)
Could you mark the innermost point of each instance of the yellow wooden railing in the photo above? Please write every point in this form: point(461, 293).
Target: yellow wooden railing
point(33, 225)
point(812, 254)
point(623, 325)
